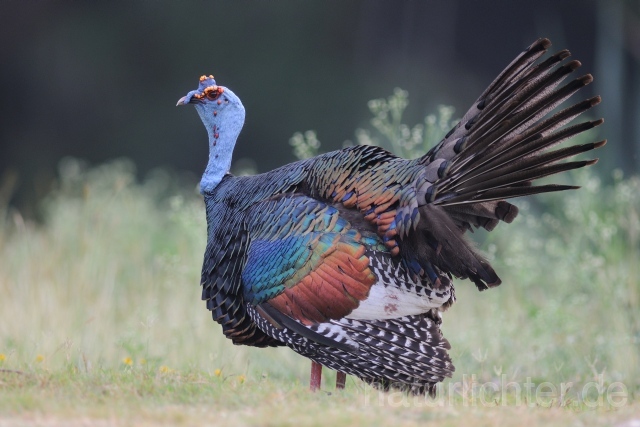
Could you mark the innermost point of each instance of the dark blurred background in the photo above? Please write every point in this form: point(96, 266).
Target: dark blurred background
point(99, 80)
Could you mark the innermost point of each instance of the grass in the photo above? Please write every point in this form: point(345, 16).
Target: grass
point(143, 397)
point(101, 320)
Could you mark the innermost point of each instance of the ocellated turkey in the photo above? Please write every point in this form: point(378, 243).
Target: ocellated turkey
point(349, 257)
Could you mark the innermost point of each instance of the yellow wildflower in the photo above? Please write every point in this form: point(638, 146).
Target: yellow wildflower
point(217, 372)
point(165, 369)
point(142, 361)
point(127, 361)
point(2, 357)
point(241, 379)
point(39, 358)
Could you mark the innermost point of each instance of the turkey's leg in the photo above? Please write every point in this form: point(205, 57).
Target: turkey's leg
point(341, 379)
point(316, 375)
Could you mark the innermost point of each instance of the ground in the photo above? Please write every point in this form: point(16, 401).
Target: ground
point(143, 398)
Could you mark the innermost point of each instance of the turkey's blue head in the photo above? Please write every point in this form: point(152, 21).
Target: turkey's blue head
point(212, 101)
point(222, 113)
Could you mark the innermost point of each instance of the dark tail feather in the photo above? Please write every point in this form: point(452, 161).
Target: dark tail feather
point(512, 130)
point(520, 108)
point(499, 148)
point(504, 142)
point(522, 176)
point(519, 156)
point(507, 193)
point(448, 249)
point(523, 144)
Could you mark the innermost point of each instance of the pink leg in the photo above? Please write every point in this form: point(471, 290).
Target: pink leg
point(341, 379)
point(316, 375)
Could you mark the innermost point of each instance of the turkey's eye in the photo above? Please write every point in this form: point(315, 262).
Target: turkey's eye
point(212, 92)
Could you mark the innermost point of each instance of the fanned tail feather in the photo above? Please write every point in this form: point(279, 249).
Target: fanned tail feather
point(502, 144)
point(496, 152)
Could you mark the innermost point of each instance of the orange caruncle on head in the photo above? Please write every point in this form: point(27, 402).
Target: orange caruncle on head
point(207, 87)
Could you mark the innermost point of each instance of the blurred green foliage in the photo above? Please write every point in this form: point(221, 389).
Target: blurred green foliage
point(402, 139)
point(110, 281)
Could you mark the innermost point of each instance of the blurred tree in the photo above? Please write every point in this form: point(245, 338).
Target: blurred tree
point(610, 69)
point(99, 80)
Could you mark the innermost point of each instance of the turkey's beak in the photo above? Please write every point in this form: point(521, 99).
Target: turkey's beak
point(189, 99)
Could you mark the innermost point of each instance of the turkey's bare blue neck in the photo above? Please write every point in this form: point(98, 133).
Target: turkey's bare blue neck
point(223, 129)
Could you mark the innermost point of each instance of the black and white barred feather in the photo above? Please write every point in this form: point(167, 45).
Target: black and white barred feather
point(408, 353)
